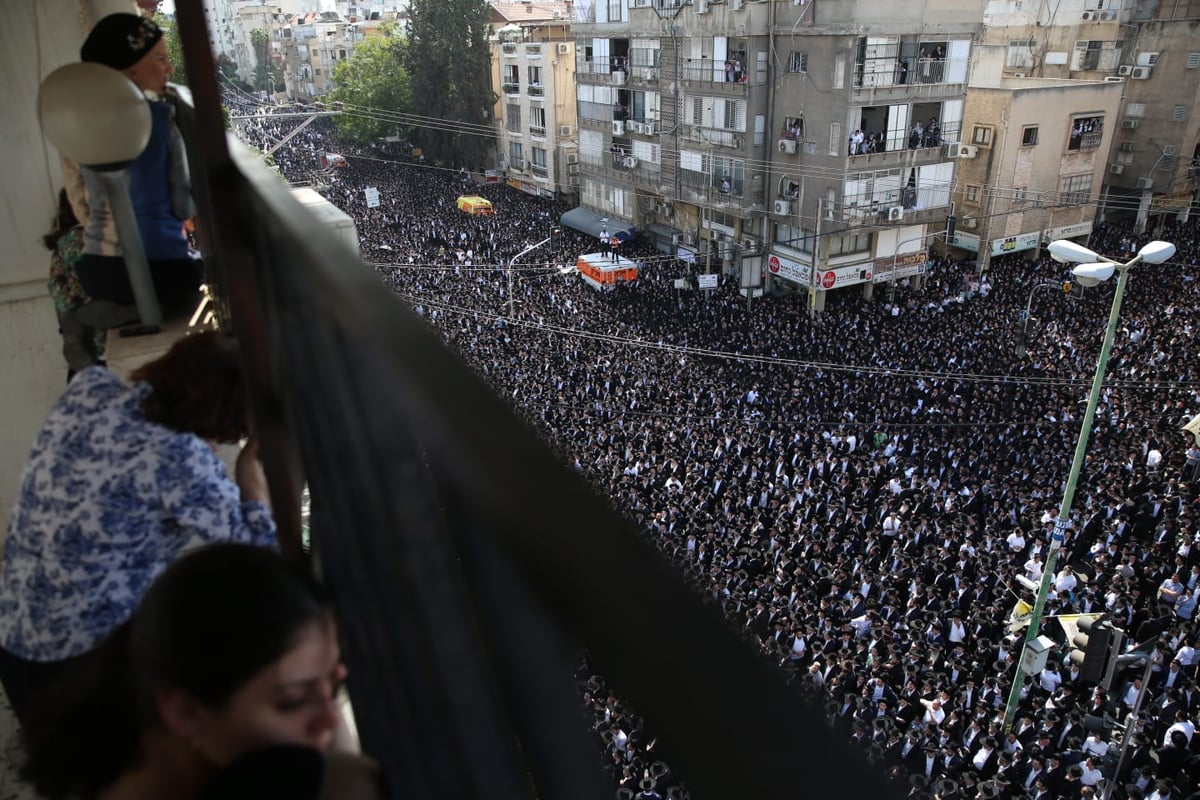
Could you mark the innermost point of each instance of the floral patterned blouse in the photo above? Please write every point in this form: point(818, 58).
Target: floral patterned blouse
point(107, 500)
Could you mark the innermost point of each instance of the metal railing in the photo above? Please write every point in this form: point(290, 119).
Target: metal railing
point(537, 130)
point(705, 71)
point(909, 71)
point(467, 560)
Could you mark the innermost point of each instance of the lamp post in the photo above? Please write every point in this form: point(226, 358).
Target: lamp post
point(100, 120)
point(1091, 270)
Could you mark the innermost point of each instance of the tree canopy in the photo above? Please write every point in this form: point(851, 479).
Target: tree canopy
point(373, 77)
point(448, 58)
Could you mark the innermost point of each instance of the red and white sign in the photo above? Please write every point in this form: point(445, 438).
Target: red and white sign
point(828, 280)
point(841, 277)
point(790, 269)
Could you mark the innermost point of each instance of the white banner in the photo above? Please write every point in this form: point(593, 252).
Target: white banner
point(845, 276)
point(372, 197)
point(1067, 231)
point(792, 270)
point(1015, 244)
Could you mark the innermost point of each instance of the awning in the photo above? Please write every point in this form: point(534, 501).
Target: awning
point(585, 221)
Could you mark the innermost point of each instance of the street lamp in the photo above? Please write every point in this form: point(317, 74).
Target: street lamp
point(1092, 268)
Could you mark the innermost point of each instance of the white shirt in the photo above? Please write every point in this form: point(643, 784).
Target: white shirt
point(1016, 541)
point(1050, 680)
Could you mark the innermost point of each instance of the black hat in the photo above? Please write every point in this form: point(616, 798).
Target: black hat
point(120, 40)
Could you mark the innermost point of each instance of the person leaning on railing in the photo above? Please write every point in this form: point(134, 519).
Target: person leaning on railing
point(159, 185)
point(223, 685)
point(121, 479)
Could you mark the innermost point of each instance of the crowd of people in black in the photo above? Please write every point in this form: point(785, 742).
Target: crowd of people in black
point(856, 490)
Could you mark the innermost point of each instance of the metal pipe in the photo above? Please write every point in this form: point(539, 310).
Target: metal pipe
point(116, 188)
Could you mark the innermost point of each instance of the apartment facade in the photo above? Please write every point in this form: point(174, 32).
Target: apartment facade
point(776, 129)
point(1149, 47)
point(1033, 159)
point(533, 75)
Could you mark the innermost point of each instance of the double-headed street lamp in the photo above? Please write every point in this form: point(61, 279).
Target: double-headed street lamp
point(1091, 269)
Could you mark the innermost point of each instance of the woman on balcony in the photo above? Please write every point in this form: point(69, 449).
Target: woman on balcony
point(224, 685)
point(122, 478)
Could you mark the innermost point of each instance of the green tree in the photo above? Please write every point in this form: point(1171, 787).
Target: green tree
point(374, 77)
point(266, 74)
point(174, 47)
point(448, 58)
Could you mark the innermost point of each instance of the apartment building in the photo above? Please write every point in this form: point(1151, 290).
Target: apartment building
point(1149, 49)
point(1033, 159)
point(312, 45)
point(533, 72)
point(815, 134)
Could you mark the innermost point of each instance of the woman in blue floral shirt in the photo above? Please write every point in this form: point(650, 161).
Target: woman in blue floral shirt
point(122, 478)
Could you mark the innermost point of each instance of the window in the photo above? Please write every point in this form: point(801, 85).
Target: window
point(798, 61)
point(538, 156)
point(512, 78)
point(512, 117)
point(1136, 110)
point(835, 138)
point(971, 194)
point(839, 72)
point(1180, 114)
point(1029, 136)
point(735, 115)
point(1096, 55)
point(1076, 189)
point(981, 135)
point(1086, 133)
point(537, 121)
point(793, 128)
point(1020, 54)
point(1193, 60)
point(535, 76)
point(516, 153)
point(847, 243)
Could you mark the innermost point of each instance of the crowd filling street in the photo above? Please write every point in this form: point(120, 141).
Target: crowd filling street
point(858, 490)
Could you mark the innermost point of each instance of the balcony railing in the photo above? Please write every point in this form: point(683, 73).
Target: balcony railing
point(908, 71)
point(536, 90)
point(511, 87)
point(539, 170)
point(508, 48)
point(538, 131)
point(707, 72)
point(436, 547)
point(898, 142)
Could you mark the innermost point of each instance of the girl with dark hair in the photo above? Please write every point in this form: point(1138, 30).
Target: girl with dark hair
point(228, 670)
point(122, 478)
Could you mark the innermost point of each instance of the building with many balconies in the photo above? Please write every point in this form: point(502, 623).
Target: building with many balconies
point(816, 134)
point(533, 75)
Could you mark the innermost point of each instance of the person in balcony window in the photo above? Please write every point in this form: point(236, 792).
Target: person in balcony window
point(916, 136)
point(925, 66)
point(726, 185)
point(122, 478)
point(224, 685)
point(933, 133)
point(160, 187)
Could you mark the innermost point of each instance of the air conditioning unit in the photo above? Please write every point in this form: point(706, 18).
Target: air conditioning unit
point(618, 127)
point(563, 48)
point(750, 244)
point(1124, 70)
point(682, 239)
point(1108, 16)
point(1145, 183)
point(572, 169)
point(1147, 59)
point(1141, 73)
point(953, 150)
point(503, 165)
point(635, 127)
point(572, 158)
point(1126, 147)
point(564, 130)
point(787, 146)
point(1114, 78)
point(1116, 169)
point(521, 165)
point(895, 213)
point(1088, 16)
point(648, 128)
point(970, 222)
point(629, 162)
point(1169, 150)
point(783, 207)
point(1129, 124)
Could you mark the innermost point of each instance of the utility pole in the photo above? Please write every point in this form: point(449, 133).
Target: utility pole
point(816, 257)
point(512, 263)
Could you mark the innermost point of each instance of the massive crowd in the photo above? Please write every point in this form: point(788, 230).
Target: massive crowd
point(857, 491)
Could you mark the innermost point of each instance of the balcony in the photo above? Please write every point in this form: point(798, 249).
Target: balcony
point(509, 49)
point(704, 72)
point(907, 152)
point(537, 131)
point(539, 170)
point(720, 137)
point(511, 87)
point(610, 71)
point(536, 90)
